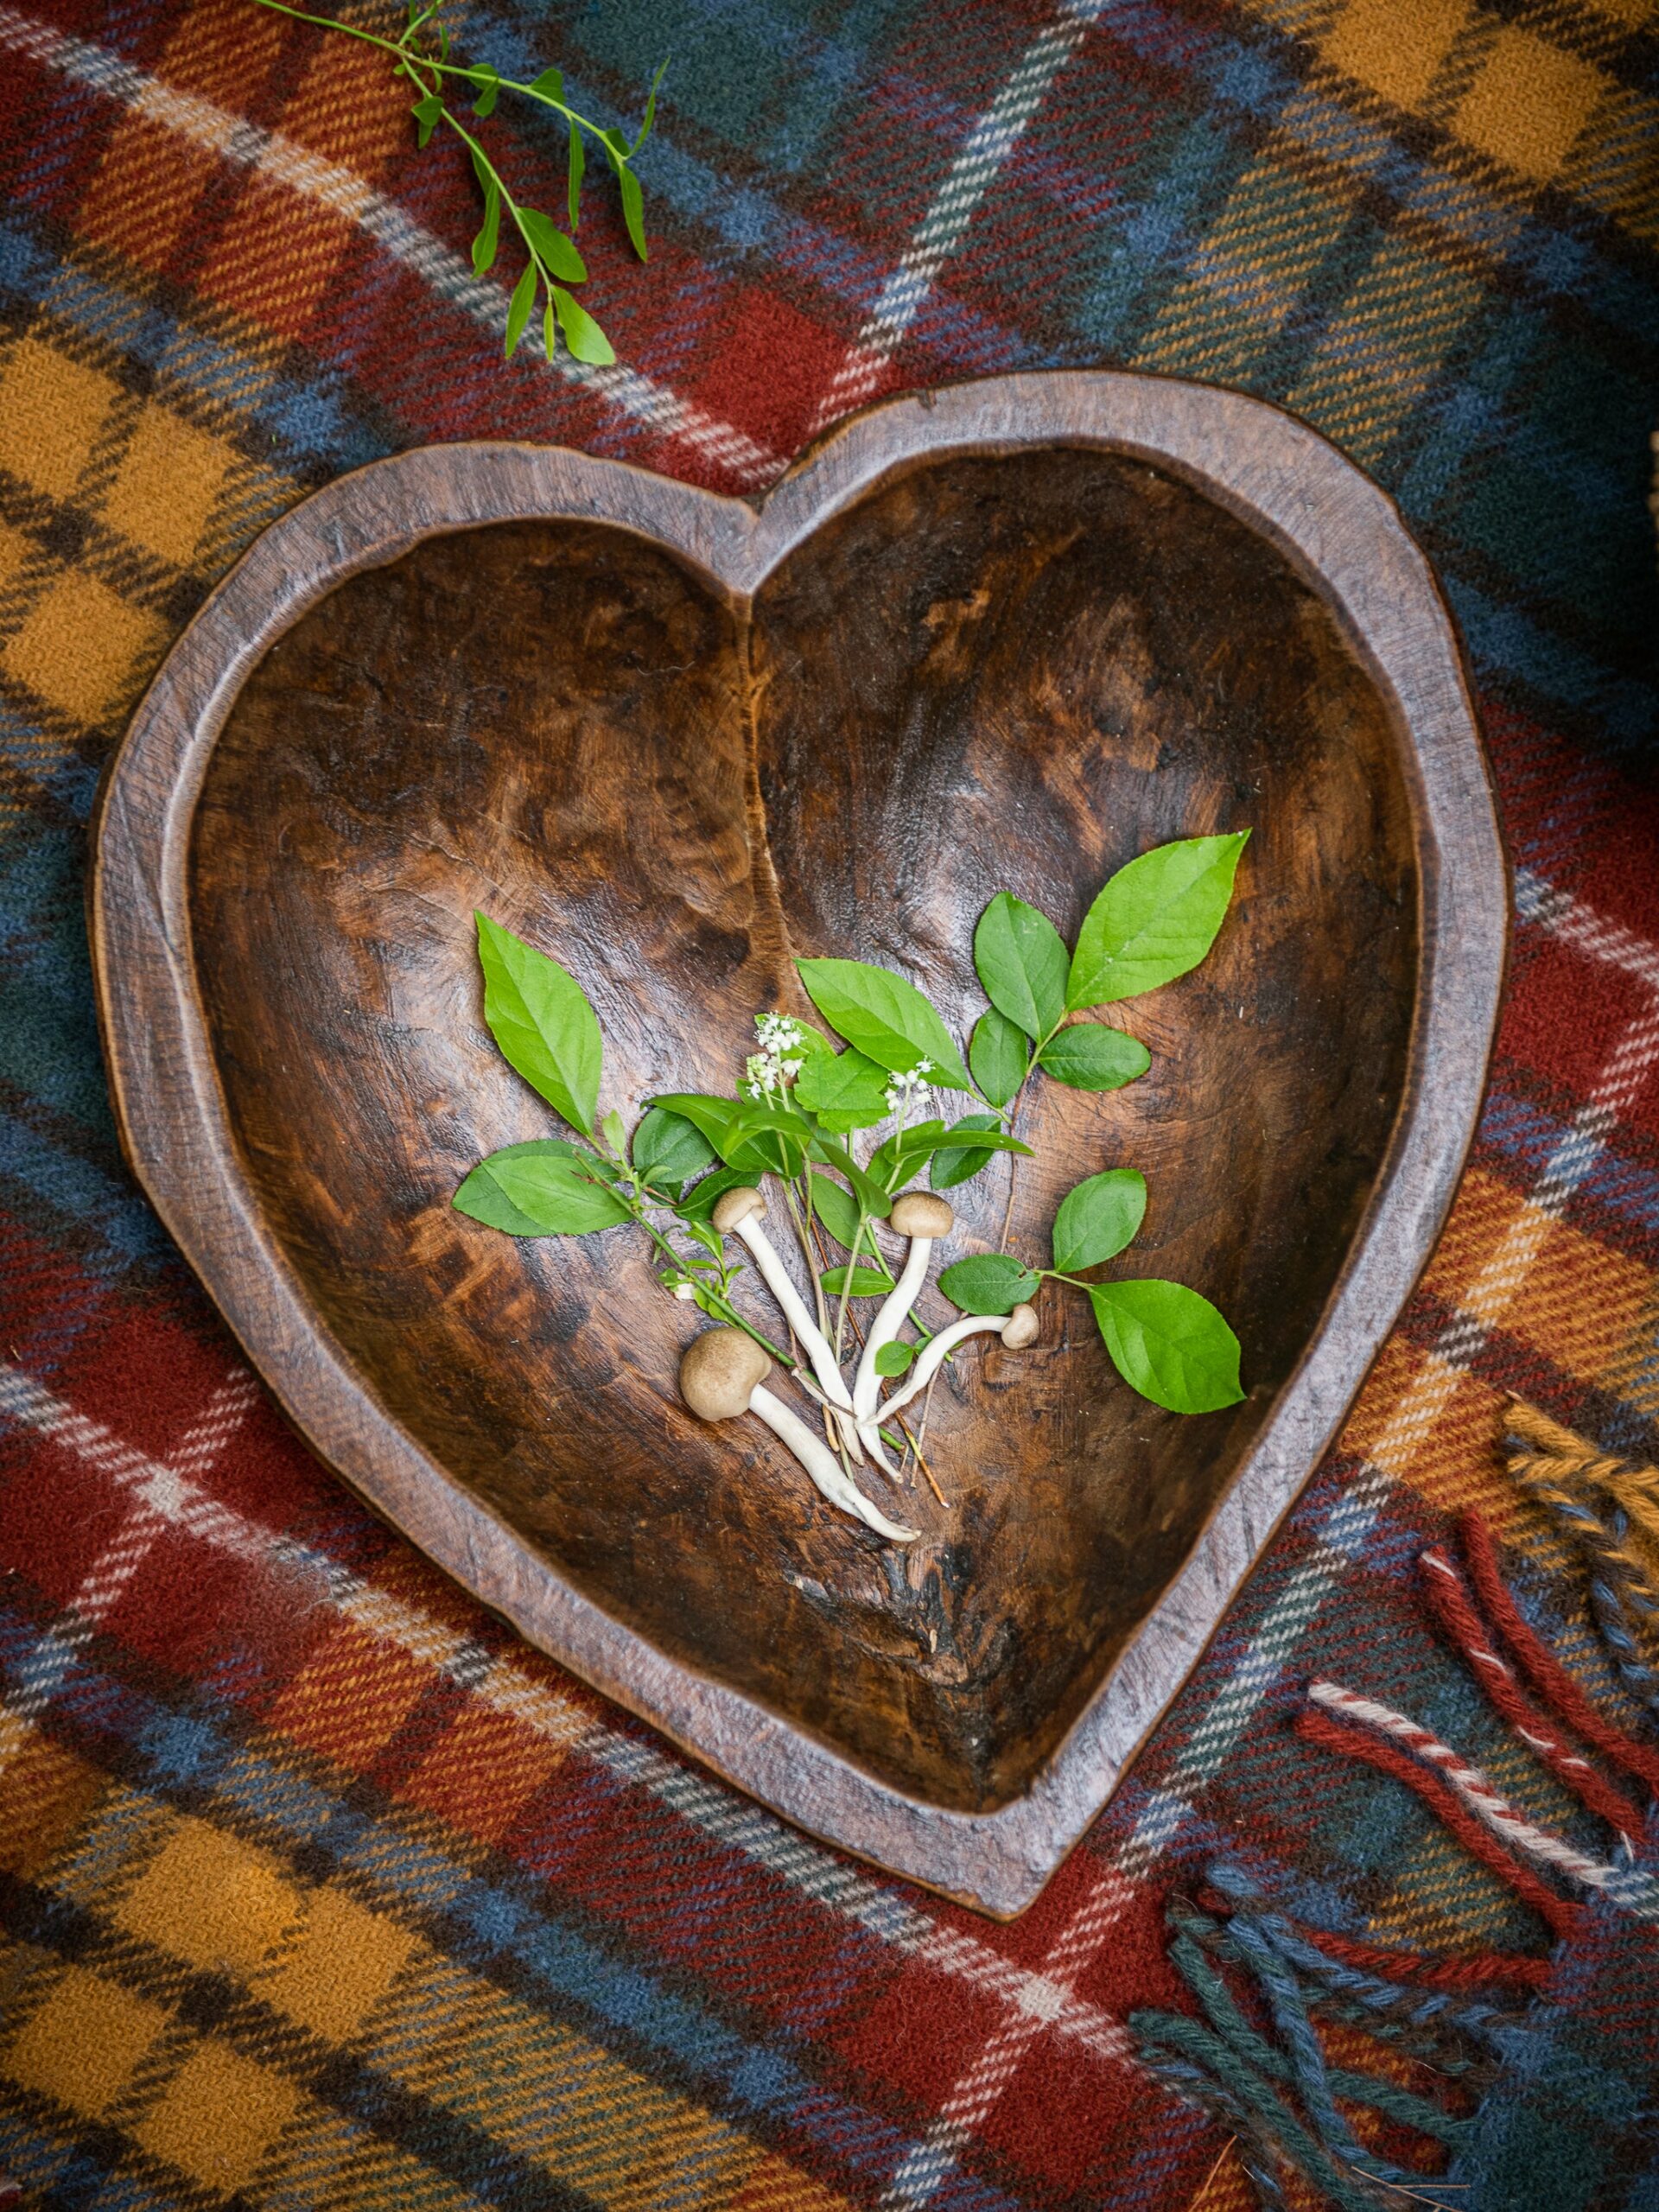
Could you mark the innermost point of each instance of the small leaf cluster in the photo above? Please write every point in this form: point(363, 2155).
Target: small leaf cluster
point(541, 1018)
point(420, 55)
point(1154, 920)
point(1167, 1342)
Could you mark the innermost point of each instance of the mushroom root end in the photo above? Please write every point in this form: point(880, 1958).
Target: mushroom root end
point(1021, 1328)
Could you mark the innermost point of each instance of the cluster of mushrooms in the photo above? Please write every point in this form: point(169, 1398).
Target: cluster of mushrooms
point(723, 1372)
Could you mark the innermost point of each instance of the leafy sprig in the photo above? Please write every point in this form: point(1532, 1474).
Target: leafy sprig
point(802, 1102)
point(421, 54)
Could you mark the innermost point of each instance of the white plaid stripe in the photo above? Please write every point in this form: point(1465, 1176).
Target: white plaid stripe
point(944, 227)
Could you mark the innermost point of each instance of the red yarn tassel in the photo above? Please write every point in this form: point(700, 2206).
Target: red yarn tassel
point(1449, 1600)
point(1319, 1727)
point(1547, 1676)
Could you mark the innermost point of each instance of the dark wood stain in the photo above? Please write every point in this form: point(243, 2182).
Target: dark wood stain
point(995, 673)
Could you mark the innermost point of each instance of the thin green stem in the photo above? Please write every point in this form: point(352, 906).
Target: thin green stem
point(801, 1238)
point(471, 72)
point(846, 1284)
point(495, 177)
point(719, 1298)
point(1013, 1112)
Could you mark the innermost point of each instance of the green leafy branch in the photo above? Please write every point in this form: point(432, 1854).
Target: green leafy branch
point(553, 263)
point(691, 1175)
point(540, 1017)
point(1151, 922)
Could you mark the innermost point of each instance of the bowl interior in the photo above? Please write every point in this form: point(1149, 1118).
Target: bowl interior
point(1002, 671)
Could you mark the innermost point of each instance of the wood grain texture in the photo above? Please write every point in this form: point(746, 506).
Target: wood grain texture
point(1009, 638)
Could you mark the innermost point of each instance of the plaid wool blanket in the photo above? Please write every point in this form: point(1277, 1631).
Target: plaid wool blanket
point(317, 1888)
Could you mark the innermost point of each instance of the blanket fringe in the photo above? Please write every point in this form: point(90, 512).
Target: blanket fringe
point(1611, 1507)
point(1278, 2092)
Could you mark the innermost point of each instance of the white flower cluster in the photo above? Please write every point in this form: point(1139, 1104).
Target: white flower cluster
point(780, 1060)
point(904, 1088)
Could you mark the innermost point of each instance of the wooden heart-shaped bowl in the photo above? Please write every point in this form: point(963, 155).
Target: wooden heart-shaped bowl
point(1005, 636)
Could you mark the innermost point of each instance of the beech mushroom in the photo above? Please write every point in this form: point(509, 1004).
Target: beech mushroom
point(738, 1213)
point(1017, 1329)
point(723, 1373)
point(924, 1218)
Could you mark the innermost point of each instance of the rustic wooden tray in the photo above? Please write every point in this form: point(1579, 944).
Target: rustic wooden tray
point(1007, 635)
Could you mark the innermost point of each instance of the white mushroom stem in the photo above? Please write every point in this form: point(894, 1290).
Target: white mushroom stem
point(934, 1354)
point(738, 1214)
point(823, 1465)
point(887, 1323)
point(922, 1217)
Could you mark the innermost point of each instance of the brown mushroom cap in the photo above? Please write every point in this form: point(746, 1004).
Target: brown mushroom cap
point(1021, 1329)
point(919, 1213)
point(733, 1206)
point(719, 1371)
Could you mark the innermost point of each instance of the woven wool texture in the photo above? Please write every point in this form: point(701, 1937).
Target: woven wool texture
point(318, 1888)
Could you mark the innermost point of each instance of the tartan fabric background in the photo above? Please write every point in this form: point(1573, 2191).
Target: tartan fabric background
point(318, 1888)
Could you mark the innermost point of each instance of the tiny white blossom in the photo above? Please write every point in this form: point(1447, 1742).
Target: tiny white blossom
point(777, 1035)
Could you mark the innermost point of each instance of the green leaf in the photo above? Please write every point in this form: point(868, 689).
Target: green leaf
point(489, 89)
point(990, 1282)
point(893, 1358)
point(633, 208)
point(581, 333)
point(426, 114)
point(578, 162)
point(885, 1017)
point(837, 1210)
point(999, 1055)
point(484, 245)
point(614, 1132)
point(1098, 1218)
point(767, 1135)
point(868, 1192)
point(538, 1015)
point(1022, 963)
point(550, 332)
point(555, 249)
point(757, 1137)
point(697, 1204)
point(1169, 1344)
point(539, 1189)
point(550, 85)
point(1091, 1056)
point(868, 1282)
point(669, 1150)
point(651, 105)
point(953, 1164)
point(713, 1117)
point(518, 308)
point(844, 1083)
point(1154, 920)
point(893, 1163)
